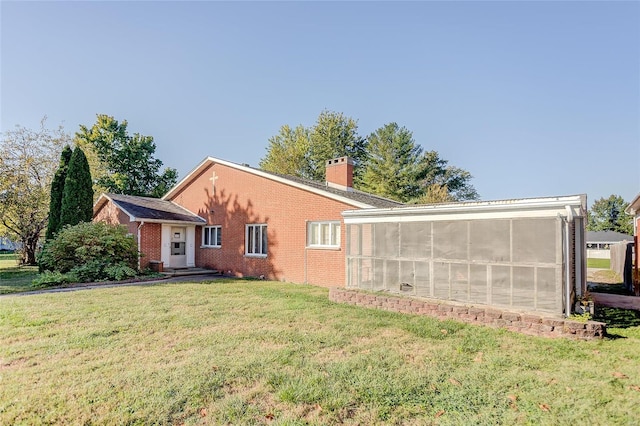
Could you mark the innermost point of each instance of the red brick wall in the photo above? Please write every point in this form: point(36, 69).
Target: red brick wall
point(150, 243)
point(242, 198)
point(519, 322)
point(150, 233)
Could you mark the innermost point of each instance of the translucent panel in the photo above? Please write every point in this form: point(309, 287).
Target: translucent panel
point(422, 279)
point(523, 286)
point(490, 240)
point(353, 273)
point(547, 290)
point(392, 275)
point(441, 280)
point(367, 239)
point(415, 240)
point(325, 230)
point(535, 240)
point(386, 241)
point(263, 233)
point(335, 234)
point(314, 233)
point(501, 285)
point(478, 284)
point(377, 279)
point(366, 274)
point(459, 282)
point(450, 240)
point(407, 278)
point(353, 240)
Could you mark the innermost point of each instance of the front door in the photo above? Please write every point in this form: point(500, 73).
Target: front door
point(178, 247)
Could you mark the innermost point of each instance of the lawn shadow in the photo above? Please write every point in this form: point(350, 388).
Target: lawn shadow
point(617, 318)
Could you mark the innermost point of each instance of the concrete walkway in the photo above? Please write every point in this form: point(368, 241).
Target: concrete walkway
point(617, 301)
point(177, 279)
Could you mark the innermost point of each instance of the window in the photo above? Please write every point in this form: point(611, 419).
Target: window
point(212, 236)
point(256, 240)
point(323, 234)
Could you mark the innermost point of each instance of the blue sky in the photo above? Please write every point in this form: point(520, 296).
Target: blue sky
point(533, 98)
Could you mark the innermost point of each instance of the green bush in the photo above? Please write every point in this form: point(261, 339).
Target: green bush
point(91, 252)
point(48, 279)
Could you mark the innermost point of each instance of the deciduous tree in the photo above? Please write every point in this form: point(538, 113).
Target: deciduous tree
point(126, 163)
point(77, 196)
point(288, 152)
point(607, 214)
point(28, 161)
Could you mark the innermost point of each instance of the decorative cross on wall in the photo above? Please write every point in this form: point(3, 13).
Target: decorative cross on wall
point(213, 180)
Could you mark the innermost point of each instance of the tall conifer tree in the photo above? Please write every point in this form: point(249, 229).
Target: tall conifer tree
point(57, 189)
point(77, 197)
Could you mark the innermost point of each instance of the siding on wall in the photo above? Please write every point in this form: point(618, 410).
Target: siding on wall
point(241, 198)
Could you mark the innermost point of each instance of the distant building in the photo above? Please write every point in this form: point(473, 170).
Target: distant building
point(7, 245)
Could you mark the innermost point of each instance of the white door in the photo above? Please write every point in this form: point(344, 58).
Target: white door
point(178, 247)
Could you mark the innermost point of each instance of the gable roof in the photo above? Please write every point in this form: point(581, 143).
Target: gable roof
point(607, 237)
point(148, 209)
point(354, 198)
point(634, 206)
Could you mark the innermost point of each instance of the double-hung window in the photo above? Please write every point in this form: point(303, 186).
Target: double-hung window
point(323, 234)
point(256, 240)
point(211, 236)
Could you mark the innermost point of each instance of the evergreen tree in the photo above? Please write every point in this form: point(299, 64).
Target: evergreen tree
point(77, 197)
point(57, 189)
point(608, 214)
point(393, 164)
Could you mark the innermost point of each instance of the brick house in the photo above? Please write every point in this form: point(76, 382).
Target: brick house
point(634, 210)
point(246, 222)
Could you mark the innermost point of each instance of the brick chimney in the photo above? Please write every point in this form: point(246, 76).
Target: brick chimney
point(339, 173)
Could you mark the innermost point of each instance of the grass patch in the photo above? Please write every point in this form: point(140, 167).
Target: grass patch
point(599, 263)
point(239, 352)
point(15, 278)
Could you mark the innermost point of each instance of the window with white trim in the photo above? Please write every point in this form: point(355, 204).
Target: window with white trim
point(211, 236)
point(323, 234)
point(256, 240)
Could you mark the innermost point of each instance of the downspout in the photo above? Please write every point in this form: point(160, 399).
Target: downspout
point(567, 248)
point(139, 244)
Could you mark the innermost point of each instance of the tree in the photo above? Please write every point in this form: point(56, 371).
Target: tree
point(77, 196)
point(393, 164)
point(57, 189)
point(28, 160)
point(608, 214)
point(436, 174)
point(288, 152)
point(125, 163)
point(335, 135)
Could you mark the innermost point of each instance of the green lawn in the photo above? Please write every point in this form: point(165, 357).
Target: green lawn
point(254, 352)
point(14, 278)
point(599, 263)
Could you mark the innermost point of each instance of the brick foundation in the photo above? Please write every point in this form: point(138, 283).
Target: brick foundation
point(520, 322)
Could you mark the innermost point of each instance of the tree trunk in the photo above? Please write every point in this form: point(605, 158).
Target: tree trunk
point(29, 247)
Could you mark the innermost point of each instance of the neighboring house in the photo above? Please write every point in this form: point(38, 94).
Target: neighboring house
point(246, 222)
point(7, 245)
point(634, 210)
point(599, 242)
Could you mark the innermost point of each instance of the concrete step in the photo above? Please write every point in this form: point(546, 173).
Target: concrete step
point(179, 272)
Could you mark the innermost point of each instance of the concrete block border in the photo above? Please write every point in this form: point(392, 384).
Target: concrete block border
point(525, 323)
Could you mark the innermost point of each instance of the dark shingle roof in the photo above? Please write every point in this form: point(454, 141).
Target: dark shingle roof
point(607, 237)
point(358, 196)
point(153, 208)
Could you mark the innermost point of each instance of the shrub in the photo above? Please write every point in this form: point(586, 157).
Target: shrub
point(48, 278)
point(91, 252)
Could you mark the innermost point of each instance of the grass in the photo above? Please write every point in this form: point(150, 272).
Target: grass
point(14, 278)
point(599, 263)
point(241, 352)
